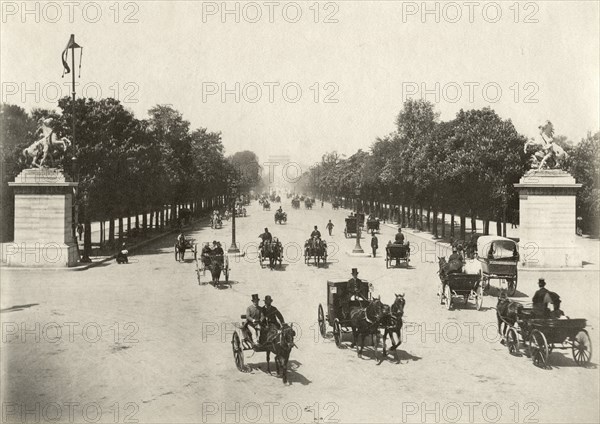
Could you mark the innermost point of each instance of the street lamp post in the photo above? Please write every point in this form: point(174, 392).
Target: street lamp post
point(233, 248)
point(357, 247)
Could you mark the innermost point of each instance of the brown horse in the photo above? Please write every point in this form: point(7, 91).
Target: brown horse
point(280, 342)
point(366, 321)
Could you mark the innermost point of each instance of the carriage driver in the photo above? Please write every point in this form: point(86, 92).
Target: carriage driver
point(265, 237)
point(540, 301)
point(181, 239)
point(399, 236)
point(352, 291)
point(253, 319)
point(316, 233)
point(271, 315)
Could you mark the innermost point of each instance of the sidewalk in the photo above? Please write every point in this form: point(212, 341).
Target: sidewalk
point(100, 259)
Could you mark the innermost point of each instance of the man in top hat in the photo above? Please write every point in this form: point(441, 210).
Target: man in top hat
point(352, 291)
point(271, 315)
point(540, 299)
point(455, 261)
point(253, 318)
point(316, 233)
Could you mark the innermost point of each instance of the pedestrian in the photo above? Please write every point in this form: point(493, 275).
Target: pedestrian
point(322, 203)
point(80, 230)
point(329, 226)
point(374, 243)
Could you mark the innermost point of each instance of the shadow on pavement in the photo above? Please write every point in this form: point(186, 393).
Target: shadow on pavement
point(18, 307)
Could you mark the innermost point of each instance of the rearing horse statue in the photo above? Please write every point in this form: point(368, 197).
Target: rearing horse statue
point(547, 150)
point(41, 149)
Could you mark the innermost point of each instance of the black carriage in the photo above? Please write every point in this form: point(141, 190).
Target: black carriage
point(351, 226)
point(336, 295)
point(459, 284)
point(400, 253)
point(308, 204)
point(296, 203)
point(315, 250)
point(540, 336)
point(182, 246)
point(335, 205)
point(499, 257)
point(266, 206)
point(373, 225)
point(280, 217)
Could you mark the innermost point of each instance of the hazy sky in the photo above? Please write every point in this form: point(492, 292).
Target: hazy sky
point(352, 74)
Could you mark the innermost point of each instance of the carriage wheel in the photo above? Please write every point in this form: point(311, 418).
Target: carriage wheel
point(195, 252)
point(582, 348)
point(238, 352)
point(448, 294)
point(512, 341)
point(387, 261)
point(345, 233)
point(479, 298)
point(337, 333)
point(538, 348)
point(321, 319)
point(512, 287)
point(260, 259)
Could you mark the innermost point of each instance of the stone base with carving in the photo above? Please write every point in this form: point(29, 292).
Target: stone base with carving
point(43, 220)
point(547, 219)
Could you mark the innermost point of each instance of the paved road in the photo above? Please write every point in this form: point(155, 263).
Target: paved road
point(144, 341)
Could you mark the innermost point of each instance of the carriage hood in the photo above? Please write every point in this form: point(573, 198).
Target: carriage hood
point(502, 247)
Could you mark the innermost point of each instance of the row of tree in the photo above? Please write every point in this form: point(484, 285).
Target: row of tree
point(465, 167)
point(127, 166)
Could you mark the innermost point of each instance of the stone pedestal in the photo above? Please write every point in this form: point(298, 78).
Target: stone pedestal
point(547, 219)
point(43, 220)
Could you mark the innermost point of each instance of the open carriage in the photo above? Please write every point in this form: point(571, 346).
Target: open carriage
point(540, 336)
point(280, 217)
point(499, 257)
point(182, 246)
point(459, 284)
point(398, 253)
point(266, 206)
point(315, 250)
point(217, 265)
point(272, 252)
point(336, 293)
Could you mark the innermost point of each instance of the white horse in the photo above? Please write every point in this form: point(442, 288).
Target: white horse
point(547, 149)
point(41, 149)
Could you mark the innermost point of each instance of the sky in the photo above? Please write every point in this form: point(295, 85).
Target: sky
point(305, 78)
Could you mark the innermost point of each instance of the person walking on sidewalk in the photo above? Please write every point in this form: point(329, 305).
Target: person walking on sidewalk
point(329, 226)
point(374, 243)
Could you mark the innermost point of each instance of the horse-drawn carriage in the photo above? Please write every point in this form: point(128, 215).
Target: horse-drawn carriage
point(217, 264)
point(352, 225)
point(278, 341)
point(540, 336)
point(499, 257)
point(335, 205)
point(240, 211)
point(397, 252)
point(216, 222)
point(373, 225)
point(280, 217)
point(308, 203)
point(266, 205)
point(335, 317)
point(271, 251)
point(459, 284)
point(181, 245)
point(315, 249)
point(277, 199)
point(296, 203)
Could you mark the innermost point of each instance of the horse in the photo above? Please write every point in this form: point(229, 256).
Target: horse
point(215, 266)
point(366, 321)
point(280, 342)
point(507, 312)
point(392, 323)
point(41, 149)
point(317, 248)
